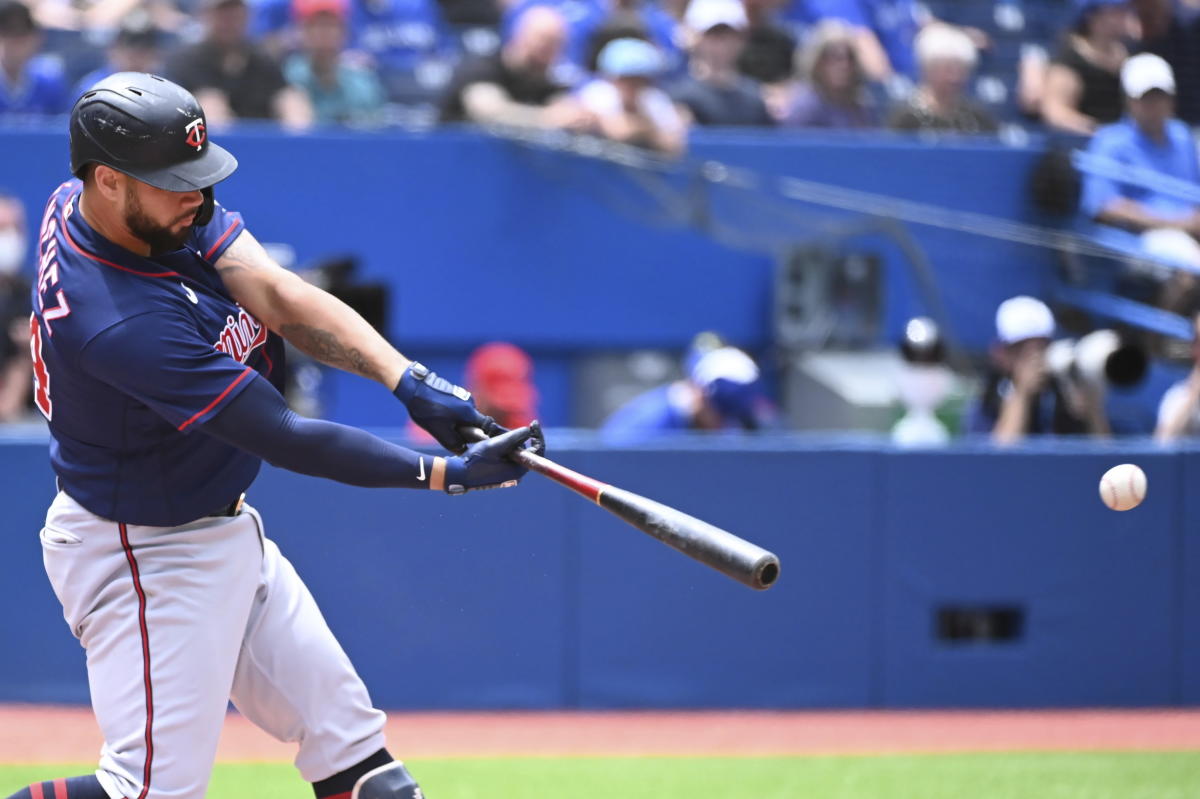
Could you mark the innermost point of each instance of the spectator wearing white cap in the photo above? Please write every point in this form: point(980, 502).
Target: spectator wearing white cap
point(628, 107)
point(947, 57)
point(1172, 30)
point(714, 92)
point(1148, 141)
point(1019, 396)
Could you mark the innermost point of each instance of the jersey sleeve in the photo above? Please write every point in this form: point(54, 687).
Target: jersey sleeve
point(159, 359)
point(212, 240)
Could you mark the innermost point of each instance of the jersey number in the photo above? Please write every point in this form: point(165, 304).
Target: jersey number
point(41, 377)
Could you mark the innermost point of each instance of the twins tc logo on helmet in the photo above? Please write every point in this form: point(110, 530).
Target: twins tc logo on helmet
point(196, 134)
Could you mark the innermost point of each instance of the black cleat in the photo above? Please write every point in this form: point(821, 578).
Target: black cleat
point(387, 782)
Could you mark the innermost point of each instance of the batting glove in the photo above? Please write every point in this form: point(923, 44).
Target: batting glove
point(441, 408)
point(486, 463)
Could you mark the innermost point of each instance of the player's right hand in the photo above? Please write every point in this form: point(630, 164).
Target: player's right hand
point(441, 408)
point(486, 463)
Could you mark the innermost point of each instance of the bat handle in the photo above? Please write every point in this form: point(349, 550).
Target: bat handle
point(544, 466)
point(525, 457)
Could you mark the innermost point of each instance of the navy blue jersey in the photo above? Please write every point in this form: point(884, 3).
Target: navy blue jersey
point(131, 355)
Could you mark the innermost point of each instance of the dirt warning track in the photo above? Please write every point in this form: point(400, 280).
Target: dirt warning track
point(45, 734)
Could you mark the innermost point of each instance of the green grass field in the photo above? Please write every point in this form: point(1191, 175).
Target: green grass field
point(1041, 775)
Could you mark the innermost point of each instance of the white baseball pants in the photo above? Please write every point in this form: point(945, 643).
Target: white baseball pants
point(176, 621)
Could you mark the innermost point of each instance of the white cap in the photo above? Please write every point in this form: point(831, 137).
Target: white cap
point(1021, 318)
point(1144, 72)
point(704, 15)
point(938, 42)
point(725, 363)
point(1171, 245)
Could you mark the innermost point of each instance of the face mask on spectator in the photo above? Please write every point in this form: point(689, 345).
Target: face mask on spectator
point(12, 251)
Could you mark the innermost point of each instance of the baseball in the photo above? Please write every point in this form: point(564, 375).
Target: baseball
point(1123, 487)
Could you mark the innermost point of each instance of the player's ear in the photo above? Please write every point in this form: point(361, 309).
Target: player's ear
point(108, 181)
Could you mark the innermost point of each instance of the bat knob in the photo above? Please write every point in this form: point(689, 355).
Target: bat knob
point(766, 572)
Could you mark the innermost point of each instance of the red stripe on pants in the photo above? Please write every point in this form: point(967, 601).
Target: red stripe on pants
point(141, 595)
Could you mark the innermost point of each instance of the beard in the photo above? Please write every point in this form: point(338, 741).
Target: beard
point(161, 239)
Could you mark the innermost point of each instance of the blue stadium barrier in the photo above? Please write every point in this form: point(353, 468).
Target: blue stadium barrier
point(534, 599)
point(1029, 533)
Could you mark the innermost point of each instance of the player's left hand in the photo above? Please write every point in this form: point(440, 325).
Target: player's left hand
point(441, 408)
point(488, 463)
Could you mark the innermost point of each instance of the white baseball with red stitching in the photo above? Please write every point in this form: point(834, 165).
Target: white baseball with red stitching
point(1123, 487)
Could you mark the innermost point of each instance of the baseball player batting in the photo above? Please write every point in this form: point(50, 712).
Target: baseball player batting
point(158, 354)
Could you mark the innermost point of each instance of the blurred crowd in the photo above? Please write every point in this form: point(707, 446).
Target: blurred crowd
point(636, 71)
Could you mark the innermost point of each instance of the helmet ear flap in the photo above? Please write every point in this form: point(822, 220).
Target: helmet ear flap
point(205, 215)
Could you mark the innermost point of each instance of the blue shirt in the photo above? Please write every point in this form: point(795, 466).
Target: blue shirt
point(660, 410)
point(41, 90)
point(1125, 143)
point(397, 34)
point(132, 356)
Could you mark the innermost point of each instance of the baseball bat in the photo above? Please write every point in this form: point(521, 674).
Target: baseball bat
point(734, 557)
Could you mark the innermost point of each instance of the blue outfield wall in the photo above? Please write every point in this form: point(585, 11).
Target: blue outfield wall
point(534, 599)
point(482, 239)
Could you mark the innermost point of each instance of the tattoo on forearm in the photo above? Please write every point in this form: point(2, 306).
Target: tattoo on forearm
point(326, 348)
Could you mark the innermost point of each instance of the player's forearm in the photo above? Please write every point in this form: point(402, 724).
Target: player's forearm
point(258, 421)
point(871, 55)
point(325, 328)
point(1174, 423)
point(1131, 215)
point(314, 321)
point(1013, 420)
point(1064, 117)
point(488, 103)
point(1173, 426)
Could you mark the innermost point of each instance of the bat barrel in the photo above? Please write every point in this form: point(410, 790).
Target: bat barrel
point(734, 557)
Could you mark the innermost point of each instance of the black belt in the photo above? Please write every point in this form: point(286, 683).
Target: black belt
point(232, 509)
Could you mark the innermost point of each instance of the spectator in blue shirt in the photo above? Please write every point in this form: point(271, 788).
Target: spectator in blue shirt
point(341, 91)
point(1141, 173)
point(137, 47)
point(1171, 31)
point(30, 85)
point(1150, 141)
point(405, 39)
point(722, 391)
